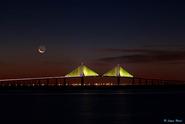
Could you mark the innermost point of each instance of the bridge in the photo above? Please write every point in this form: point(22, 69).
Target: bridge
point(84, 76)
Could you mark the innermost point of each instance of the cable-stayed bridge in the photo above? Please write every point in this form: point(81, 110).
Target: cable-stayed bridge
point(86, 81)
point(84, 76)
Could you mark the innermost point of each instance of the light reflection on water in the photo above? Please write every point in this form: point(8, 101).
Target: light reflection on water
point(93, 106)
point(95, 92)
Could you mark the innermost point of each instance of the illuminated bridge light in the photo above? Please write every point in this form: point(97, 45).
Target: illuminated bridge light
point(75, 84)
point(81, 71)
point(118, 71)
point(97, 84)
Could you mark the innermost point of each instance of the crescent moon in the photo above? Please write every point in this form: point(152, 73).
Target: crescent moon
point(41, 51)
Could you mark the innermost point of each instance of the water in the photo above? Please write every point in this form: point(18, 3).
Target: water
point(94, 106)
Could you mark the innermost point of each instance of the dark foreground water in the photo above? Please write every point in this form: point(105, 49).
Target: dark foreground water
point(94, 106)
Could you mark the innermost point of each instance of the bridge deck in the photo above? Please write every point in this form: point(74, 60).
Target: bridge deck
point(85, 81)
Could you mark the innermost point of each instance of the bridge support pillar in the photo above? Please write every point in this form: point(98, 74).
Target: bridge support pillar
point(47, 82)
point(64, 81)
point(133, 81)
point(118, 80)
point(82, 81)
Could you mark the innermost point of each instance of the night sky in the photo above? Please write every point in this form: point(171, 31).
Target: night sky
point(146, 37)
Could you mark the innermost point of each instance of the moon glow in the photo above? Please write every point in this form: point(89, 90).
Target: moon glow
point(42, 49)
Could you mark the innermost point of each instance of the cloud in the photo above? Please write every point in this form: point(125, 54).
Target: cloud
point(145, 55)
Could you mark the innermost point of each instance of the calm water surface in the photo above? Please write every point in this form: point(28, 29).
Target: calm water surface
point(94, 106)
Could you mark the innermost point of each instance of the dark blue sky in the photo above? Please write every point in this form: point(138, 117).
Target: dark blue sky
point(147, 37)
